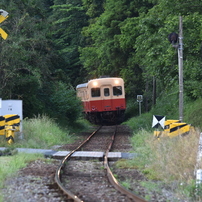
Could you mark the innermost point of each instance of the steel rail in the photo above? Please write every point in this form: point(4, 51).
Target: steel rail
point(110, 175)
point(113, 180)
point(61, 166)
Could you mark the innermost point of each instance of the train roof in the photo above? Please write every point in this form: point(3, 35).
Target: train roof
point(106, 79)
point(85, 85)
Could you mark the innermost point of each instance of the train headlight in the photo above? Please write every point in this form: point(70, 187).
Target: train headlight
point(116, 81)
point(95, 83)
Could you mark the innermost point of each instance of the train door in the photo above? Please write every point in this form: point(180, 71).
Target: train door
point(106, 95)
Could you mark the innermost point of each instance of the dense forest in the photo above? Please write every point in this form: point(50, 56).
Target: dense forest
point(53, 45)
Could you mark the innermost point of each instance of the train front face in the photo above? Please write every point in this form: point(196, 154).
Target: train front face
point(107, 99)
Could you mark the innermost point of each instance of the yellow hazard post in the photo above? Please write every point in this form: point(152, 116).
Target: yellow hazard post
point(10, 134)
point(12, 125)
point(3, 16)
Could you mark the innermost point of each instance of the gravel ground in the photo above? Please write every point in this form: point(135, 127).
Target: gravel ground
point(35, 183)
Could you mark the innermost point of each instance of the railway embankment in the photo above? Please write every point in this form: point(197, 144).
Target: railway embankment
point(165, 185)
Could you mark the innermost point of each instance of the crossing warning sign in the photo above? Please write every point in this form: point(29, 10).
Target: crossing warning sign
point(158, 121)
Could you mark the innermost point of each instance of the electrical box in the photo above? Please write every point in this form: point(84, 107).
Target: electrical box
point(11, 107)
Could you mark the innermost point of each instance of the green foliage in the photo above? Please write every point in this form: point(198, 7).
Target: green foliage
point(126, 184)
point(94, 7)
point(128, 37)
point(140, 122)
point(69, 42)
point(167, 104)
point(132, 109)
point(151, 186)
point(42, 132)
point(108, 58)
point(65, 102)
point(31, 67)
point(68, 19)
point(193, 113)
point(191, 190)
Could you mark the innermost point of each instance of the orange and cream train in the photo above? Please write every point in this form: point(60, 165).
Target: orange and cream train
point(103, 100)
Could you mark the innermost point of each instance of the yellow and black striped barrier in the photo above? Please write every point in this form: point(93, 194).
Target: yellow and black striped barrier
point(9, 124)
point(3, 16)
point(2, 125)
point(173, 128)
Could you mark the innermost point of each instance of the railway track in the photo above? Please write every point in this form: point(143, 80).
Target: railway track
point(95, 182)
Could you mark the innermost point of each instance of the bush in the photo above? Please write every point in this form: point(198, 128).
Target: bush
point(42, 132)
point(193, 113)
point(65, 103)
point(131, 108)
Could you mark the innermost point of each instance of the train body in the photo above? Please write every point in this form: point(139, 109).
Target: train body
point(103, 100)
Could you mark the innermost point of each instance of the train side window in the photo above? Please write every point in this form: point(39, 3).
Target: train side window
point(106, 92)
point(117, 90)
point(95, 92)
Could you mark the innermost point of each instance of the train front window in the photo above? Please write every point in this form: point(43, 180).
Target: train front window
point(117, 90)
point(106, 92)
point(95, 92)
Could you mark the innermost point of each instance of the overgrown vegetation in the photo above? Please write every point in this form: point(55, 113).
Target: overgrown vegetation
point(44, 132)
point(168, 160)
point(171, 161)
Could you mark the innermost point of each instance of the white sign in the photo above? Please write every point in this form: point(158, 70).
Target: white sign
point(139, 98)
point(158, 121)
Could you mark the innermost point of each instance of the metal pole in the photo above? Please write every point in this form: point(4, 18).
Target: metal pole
point(139, 108)
point(180, 63)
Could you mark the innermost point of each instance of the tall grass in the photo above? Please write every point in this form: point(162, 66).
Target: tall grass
point(139, 122)
point(41, 132)
point(175, 158)
point(169, 160)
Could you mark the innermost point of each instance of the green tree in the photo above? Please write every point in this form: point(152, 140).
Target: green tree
point(28, 58)
point(160, 58)
point(67, 21)
point(64, 101)
point(110, 51)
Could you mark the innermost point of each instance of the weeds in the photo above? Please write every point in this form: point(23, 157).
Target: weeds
point(10, 165)
point(126, 183)
point(170, 160)
point(42, 132)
